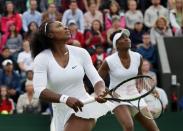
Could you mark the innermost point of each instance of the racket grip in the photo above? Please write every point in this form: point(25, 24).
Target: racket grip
point(90, 100)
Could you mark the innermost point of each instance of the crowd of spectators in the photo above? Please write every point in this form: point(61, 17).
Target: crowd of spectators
point(91, 23)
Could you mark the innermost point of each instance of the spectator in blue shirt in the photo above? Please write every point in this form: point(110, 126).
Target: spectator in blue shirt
point(11, 79)
point(31, 15)
point(74, 13)
point(147, 50)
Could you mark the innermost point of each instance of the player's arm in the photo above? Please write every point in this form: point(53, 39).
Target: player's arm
point(103, 70)
point(140, 66)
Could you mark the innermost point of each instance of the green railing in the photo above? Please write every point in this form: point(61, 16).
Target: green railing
point(168, 122)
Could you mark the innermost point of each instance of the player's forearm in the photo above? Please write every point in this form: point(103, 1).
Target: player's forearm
point(50, 96)
point(99, 87)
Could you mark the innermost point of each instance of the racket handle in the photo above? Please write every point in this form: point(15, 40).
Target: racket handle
point(90, 100)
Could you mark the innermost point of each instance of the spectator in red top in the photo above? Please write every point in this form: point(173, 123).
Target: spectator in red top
point(10, 15)
point(6, 104)
point(77, 37)
point(95, 36)
point(99, 54)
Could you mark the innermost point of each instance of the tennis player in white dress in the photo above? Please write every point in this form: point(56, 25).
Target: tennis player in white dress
point(122, 65)
point(58, 78)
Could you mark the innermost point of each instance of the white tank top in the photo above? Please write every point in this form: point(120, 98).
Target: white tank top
point(118, 72)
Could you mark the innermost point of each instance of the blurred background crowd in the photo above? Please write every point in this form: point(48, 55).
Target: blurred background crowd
point(91, 23)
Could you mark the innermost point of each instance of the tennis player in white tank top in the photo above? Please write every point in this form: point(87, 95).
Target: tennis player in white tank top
point(120, 66)
point(58, 78)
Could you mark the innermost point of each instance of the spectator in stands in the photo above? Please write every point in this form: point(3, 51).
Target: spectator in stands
point(29, 77)
point(77, 37)
point(146, 70)
point(91, 15)
point(31, 15)
point(132, 15)
point(51, 14)
point(6, 103)
point(6, 54)
point(99, 54)
point(74, 13)
point(82, 4)
point(154, 12)
point(10, 15)
point(147, 50)
point(27, 103)
point(114, 10)
point(24, 60)
point(176, 15)
point(179, 32)
point(12, 39)
point(95, 36)
point(115, 27)
point(136, 33)
point(160, 29)
point(32, 28)
point(146, 66)
point(11, 79)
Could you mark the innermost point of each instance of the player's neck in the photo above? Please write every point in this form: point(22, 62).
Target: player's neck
point(60, 49)
point(123, 54)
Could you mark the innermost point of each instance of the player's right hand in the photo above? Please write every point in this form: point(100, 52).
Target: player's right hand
point(74, 103)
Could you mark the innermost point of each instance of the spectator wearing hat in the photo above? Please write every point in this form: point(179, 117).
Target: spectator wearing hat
point(27, 102)
point(11, 79)
point(31, 15)
point(136, 33)
point(51, 14)
point(6, 54)
point(77, 37)
point(10, 15)
point(91, 15)
point(74, 13)
point(132, 15)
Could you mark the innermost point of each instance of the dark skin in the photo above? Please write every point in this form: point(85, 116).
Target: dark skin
point(60, 35)
point(122, 112)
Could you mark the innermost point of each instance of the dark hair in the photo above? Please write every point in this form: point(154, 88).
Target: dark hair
point(92, 30)
point(73, 1)
point(40, 40)
point(5, 9)
point(113, 34)
point(7, 97)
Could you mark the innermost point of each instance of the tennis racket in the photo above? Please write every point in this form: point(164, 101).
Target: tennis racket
point(132, 90)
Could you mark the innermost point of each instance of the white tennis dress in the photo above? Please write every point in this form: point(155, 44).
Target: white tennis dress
point(69, 81)
point(119, 73)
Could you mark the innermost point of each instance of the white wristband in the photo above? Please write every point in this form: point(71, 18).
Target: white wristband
point(63, 98)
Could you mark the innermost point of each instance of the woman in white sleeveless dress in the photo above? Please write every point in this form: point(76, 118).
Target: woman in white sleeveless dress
point(122, 65)
point(58, 78)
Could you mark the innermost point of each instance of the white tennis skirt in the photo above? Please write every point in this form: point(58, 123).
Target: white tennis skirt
point(62, 113)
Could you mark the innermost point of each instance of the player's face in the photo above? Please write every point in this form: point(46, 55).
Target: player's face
point(123, 42)
point(58, 31)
